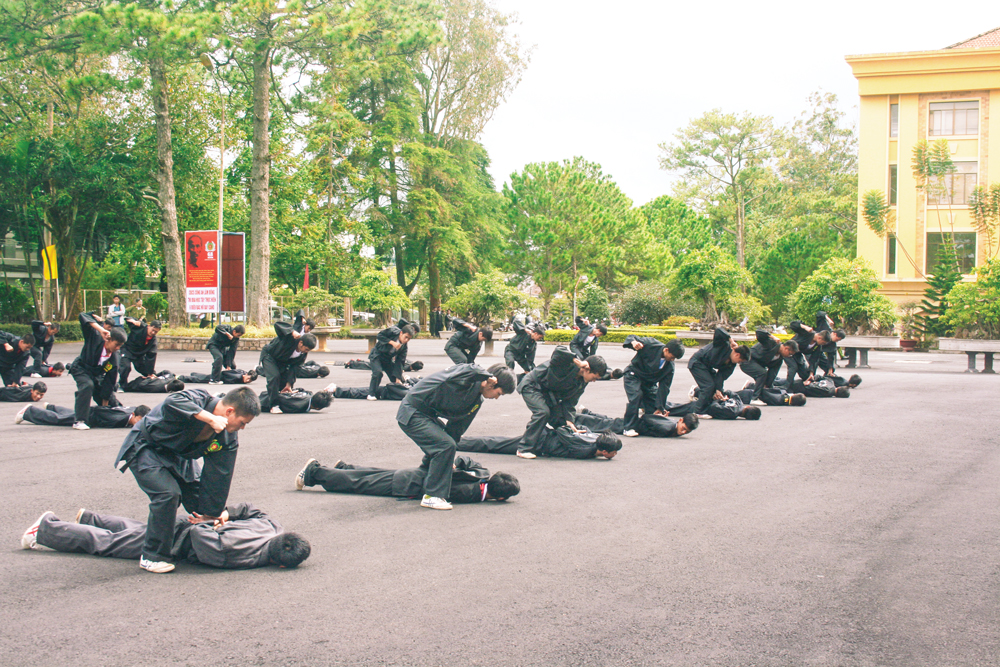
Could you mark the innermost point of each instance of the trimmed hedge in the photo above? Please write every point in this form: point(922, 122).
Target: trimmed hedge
point(619, 335)
point(69, 332)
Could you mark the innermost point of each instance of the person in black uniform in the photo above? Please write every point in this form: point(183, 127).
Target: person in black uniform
point(243, 538)
point(811, 343)
point(310, 370)
point(712, 365)
point(765, 363)
point(365, 365)
point(235, 376)
point(96, 369)
point(100, 416)
point(139, 349)
point(45, 335)
point(731, 405)
point(279, 358)
point(828, 352)
point(163, 382)
point(649, 425)
point(387, 392)
point(46, 371)
point(162, 452)
point(551, 392)
point(771, 396)
point(222, 346)
point(584, 343)
point(302, 324)
point(456, 395)
point(470, 482)
point(388, 356)
point(559, 442)
point(14, 355)
point(465, 343)
point(299, 401)
point(23, 392)
point(824, 387)
point(648, 378)
point(522, 347)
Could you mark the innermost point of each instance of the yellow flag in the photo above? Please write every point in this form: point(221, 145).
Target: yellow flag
point(50, 265)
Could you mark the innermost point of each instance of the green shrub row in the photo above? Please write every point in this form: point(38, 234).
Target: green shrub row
point(68, 331)
point(619, 336)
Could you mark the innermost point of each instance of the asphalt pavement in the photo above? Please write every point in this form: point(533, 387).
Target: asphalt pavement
point(860, 531)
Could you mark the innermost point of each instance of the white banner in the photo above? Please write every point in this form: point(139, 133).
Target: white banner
point(202, 299)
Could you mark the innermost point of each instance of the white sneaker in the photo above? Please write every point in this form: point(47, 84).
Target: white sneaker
point(216, 382)
point(19, 417)
point(749, 383)
point(332, 387)
point(29, 540)
point(435, 503)
point(79, 515)
point(693, 391)
point(631, 433)
point(525, 455)
point(119, 391)
point(375, 398)
point(757, 401)
point(81, 426)
point(276, 410)
point(154, 566)
point(704, 416)
point(36, 375)
point(300, 479)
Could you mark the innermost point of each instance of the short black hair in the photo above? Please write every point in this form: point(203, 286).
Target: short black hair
point(174, 385)
point(503, 485)
point(244, 400)
point(506, 379)
point(487, 332)
point(288, 549)
point(417, 365)
point(117, 335)
point(617, 374)
point(608, 442)
point(310, 323)
point(320, 400)
point(797, 399)
point(308, 340)
point(841, 334)
point(691, 421)
point(60, 366)
point(108, 322)
point(854, 381)
point(156, 324)
point(842, 392)
point(791, 345)
point(141, 411)
point(743, 352)
point(675, 348)
point(252, 374)
point(240, 329)
point(751, 412)
point(323, 371)
point(29, 339)
point(824, 336)
point(408, 330)
point(597, 365)
point(53, 325)
point(40, 387)
point(603, 329)
point(537, 327)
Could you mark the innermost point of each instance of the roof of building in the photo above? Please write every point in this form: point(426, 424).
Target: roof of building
point(986, 40)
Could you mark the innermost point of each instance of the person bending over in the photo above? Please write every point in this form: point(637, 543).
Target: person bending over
point(388, 356)
point(45, 336)
point(162, 452)
point(96, 369)
point(281, 356)
point(711, 366)
point(298, 401)
point(648, 378)
point(650, 425)
point(222, 346)
point(14, 354)
point(139, 349)
point(765, 362)
point(465, 343)
point(244, 537)
point(584, 343)
point(470, 482)
point(522, 347)
point(100, 416)
point(561, 442)
point(23, 393)
point(454, 394)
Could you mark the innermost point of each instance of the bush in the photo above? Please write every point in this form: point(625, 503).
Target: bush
point(613, 335)
point(15, 303)
point(592, 303)
point(644, 303)
point(679, 321)
point(375, 293)
point(156, 306)
point(316, 301)
point(847, 291)
point(487, 298)
point(974, 308)
point(68, 331)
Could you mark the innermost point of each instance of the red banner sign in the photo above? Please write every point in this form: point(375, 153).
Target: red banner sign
point(201, 264)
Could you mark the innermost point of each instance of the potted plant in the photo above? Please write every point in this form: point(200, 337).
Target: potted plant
point(908, 323)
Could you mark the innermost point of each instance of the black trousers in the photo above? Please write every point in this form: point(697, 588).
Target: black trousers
point(166, 492)
point(598, 423)
point(639, 395)
point(218, 360)
point(86, 385)
point(457, 354)
point(376, 364)
point(540, 415)
point(275, 374)
point(439, 452)
point(364, 481)
point(705, 377)
point(53, 415)
point(143, 366)
point(96, 534)
point(491, 444)
point(10, 375)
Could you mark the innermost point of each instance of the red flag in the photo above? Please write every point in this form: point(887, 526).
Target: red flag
point(305, 283)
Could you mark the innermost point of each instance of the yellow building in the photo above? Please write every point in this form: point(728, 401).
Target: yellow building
point(926, 95)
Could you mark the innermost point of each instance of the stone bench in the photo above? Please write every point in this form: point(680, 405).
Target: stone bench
point(972, 347)
point(488, 347)
point(855, 345)
point(322, 333)
point(369, 334)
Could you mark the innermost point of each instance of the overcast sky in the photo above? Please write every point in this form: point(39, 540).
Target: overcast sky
point(610, 81)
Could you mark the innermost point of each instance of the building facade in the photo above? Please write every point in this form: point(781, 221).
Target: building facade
point(926, 95)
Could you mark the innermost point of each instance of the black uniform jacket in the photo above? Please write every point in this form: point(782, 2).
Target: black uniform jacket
point(281, 348)
point(522, 347)
point(19, 394)
point(767, 350)
point(295, 402)
point(579, 344)
point(392, 359)
point(240, 543)
point(716, 358)
point(467, 341)
point(169, 431)
point(153, 385)
point(651, 367)
point(93, 347)
point(136, 345)
point(558, 379)
point(15, 358)
point(466, 481)
point(220, 342)
point(454, 393)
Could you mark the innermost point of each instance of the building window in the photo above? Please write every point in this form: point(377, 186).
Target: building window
point(953, 119)
point(893, 120)
point(955, 188)
point(890, 254)
point(893, 183)
point(965, 248)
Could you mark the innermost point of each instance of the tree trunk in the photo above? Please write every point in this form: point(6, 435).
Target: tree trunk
point(433, 279)
point(258, 286)
point(166, 195)
point(741, 239)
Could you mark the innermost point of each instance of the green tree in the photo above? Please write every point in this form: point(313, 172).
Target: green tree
point(984, 203)
point(677, 226)
point(974, 307)
point(712, 276)
point(375, 293)
point(488, 298)
point(593, 303)
point(644, 303)
point(848, 291)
